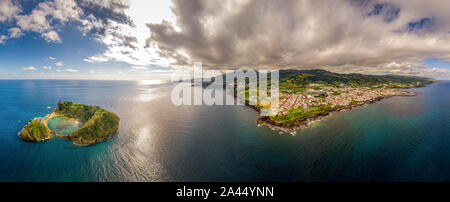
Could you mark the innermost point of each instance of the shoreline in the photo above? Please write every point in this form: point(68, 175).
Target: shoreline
point(305, 122)
point(45, 122)
point(96, 141)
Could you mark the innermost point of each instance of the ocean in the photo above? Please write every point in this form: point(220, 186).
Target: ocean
point(396, 139)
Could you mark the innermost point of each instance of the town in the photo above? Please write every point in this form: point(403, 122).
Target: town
point(331, 96)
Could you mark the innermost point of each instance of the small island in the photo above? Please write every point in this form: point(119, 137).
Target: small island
point(83, 124)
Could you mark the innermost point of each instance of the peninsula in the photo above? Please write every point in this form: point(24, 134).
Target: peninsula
point(309, 95)
point(96, 124)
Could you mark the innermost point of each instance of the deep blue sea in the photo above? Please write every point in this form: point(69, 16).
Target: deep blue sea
point(397, 139)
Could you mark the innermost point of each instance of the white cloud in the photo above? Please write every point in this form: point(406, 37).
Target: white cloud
point(3, 39)
point(51, 36)
point(71, 70)
point(44, 18)
point(139, 67)
point(15, 32)
point(47, 67)
point(30, 68)
point(47, 17)
point(58, 70)
point(96, 59)
point(118, 46)
point(51, 58)
point(8, 10)
point(92, 71)
point(59, 64)
point(45, 13)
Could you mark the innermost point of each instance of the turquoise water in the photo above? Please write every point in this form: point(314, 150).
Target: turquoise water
point(397, 139)
point(63, 126)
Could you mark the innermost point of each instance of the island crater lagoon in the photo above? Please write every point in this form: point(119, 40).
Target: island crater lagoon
point(63, 125)
point(395, 139)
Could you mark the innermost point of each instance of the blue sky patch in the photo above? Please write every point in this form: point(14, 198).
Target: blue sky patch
point(424, 23)
point(387, 11)
point(377, 8)
point(436, 62)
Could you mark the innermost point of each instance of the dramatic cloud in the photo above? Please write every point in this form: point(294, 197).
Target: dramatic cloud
point(346, 36)
point(30, 68)
point(126, 42)
point(339, 35)
point(105, 11)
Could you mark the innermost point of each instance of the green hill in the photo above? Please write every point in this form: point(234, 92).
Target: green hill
point(302, 78)
point(35, 131)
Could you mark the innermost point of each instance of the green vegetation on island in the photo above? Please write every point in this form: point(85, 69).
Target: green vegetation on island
point(298, 113)
point(97, 124)
point(35, 131)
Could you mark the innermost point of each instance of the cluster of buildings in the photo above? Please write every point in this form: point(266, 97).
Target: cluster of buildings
point(292, 101)
point(332, 96)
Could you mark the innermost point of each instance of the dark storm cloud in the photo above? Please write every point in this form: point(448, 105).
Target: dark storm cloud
point(343, 35)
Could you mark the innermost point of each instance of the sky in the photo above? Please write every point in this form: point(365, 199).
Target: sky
point(137, 39)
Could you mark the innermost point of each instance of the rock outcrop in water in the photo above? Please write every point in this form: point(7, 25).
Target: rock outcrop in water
point(97, 126)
